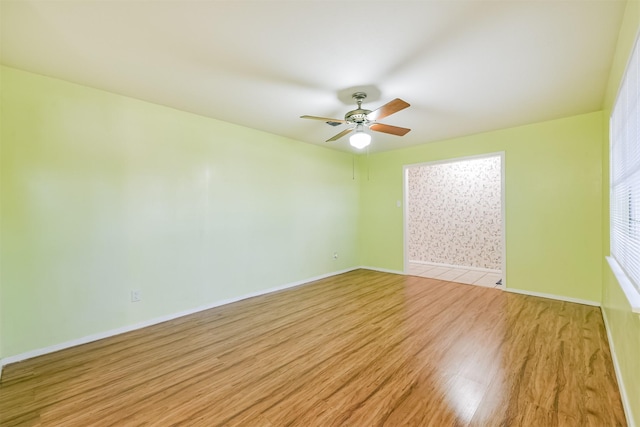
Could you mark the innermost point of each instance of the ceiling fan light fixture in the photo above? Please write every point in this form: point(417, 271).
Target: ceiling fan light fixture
point(360, 138)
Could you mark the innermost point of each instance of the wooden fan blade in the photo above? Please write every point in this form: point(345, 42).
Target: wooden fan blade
point(340, 135)
point(388, 109)
point(393, 130)
point(324, 119)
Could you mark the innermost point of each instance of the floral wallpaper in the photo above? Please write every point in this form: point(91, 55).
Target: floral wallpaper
point(455, 213)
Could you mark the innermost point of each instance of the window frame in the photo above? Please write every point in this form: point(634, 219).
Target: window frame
point(624, 181)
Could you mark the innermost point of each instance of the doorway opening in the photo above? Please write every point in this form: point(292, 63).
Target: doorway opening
point(454, 220)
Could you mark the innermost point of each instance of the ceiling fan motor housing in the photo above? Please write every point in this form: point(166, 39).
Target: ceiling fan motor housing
point(359, 115)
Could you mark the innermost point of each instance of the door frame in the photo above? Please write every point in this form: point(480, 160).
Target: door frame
point(405, 195)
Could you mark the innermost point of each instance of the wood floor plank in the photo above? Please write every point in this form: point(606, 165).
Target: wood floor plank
point(363, 348)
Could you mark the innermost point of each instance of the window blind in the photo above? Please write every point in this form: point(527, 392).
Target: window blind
point(625, 173)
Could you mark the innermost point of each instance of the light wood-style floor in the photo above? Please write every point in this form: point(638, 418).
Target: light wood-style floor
point(360, 349)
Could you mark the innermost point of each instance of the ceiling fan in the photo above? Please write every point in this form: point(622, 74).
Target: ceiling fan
point(359, 118)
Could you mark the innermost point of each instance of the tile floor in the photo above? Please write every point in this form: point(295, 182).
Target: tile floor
point(459, 275)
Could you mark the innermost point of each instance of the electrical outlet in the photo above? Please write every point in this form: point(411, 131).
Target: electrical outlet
point(335, 255)
point(136, 295)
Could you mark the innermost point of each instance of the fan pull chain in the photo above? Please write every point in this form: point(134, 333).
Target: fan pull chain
point(368, 166)
point(353, 167)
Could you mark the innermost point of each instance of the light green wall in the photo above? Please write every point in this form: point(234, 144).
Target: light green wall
point(623, 324)
point(553, 203)
point(102, 194)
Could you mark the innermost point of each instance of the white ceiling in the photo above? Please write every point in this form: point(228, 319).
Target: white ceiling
point(464, 66)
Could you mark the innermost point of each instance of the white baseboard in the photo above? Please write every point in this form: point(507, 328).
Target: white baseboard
point(154, 321)
point(626, 404)
point(382, 270)
point(552, 296)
